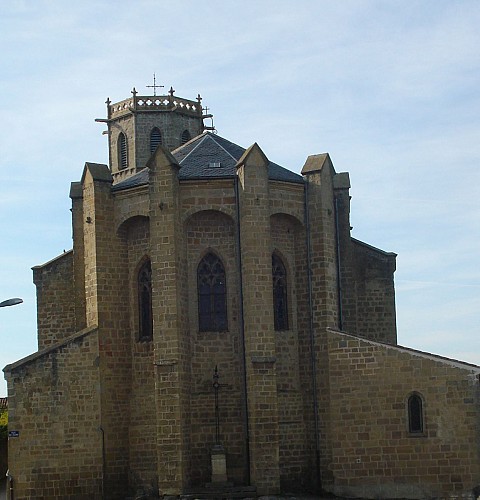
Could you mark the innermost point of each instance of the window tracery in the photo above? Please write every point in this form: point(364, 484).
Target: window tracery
point(145, 313)
point(212, 294)
point(280, 302)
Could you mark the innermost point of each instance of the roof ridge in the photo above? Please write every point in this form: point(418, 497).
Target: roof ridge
point(228, 153)
point(187, 155)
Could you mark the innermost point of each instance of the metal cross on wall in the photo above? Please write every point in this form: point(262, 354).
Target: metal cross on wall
point(154, 86)
point(216, 385)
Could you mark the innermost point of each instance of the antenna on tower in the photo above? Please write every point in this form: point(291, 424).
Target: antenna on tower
point(154, 86)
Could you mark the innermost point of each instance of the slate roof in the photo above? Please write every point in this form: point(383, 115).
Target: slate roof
point(197, 156)
point(138, 179)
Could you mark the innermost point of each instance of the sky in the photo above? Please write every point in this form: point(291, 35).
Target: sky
point(390, 89)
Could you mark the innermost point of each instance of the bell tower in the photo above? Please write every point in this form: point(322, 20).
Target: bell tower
point(137, 125)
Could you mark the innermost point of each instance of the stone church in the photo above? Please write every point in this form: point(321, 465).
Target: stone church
point(216, 332)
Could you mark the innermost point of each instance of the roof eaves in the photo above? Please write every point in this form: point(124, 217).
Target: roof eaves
point(207, 178)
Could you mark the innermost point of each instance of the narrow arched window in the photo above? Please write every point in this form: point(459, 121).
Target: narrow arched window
point(122, 151)
point(145, 316)
point(280, 302)
point(212, 295)
point(155, 139)
point(185, 136)
point(415, 414)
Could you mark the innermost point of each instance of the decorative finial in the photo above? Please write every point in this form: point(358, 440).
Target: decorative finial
point(108, 101)
point(171, 91)
point(199, 99)
point(154, 86)
point(134, 92)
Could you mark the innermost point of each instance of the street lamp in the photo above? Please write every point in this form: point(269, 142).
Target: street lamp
point(11, 302)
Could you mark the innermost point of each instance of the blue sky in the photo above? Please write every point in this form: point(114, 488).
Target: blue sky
point(389, 88)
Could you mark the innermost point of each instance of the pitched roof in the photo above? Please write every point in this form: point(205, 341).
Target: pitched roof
point(138, 179)
point(209, 156)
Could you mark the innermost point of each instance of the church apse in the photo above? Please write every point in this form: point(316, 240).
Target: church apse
point(193, 256)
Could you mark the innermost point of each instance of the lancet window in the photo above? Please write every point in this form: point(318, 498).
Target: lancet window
point(185, 136)
point(145, 314)
point(415, 414)
point(280, 302)
point(155, 139)
point(212, 294)
point(122, 151)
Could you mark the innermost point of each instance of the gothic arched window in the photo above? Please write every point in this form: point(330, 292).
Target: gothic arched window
point(155, 139)
point(415, 414)
point(145, 315)
point(185, 136)
point(212, 295)
point(122, 151)
point(280, 303)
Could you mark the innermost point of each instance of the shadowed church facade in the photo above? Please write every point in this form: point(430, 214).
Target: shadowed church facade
point(191, 253)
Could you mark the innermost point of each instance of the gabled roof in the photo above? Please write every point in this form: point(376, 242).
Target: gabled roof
point(209, 156)
point(99, 172)
point(315, 163)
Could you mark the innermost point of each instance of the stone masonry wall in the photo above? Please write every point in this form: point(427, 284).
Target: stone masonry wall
point(137, 129)
point(76, 195)
point(171, 343)
point(106, 284)
point(171, 126)
point(259, 331)
point(142, 416)
point(124, 125)
point(55, 407)
point(287, 241)
point(210, 230)
point(55, 300)
point(324, 310)
point(375, 293)
point(374, 455)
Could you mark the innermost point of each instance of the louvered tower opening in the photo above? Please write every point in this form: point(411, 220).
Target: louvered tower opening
point(155, 139)
point(122, 151)
point(185, 136)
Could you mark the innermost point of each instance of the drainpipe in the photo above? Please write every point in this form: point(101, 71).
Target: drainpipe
point(103, 461)
point(313, 360)
point(242, 330)
point(339, 273)
point(10, 485)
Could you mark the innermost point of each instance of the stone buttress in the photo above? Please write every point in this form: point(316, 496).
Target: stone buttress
point(171, 345)
point(252, 170)
point(320, 206)
point(106, 299)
